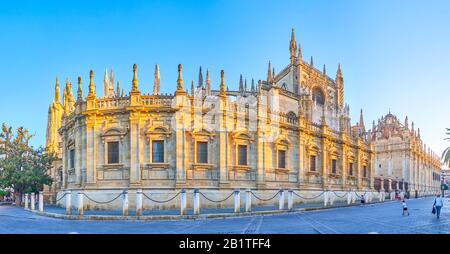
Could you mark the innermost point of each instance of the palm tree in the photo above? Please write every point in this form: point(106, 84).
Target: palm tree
point(446, 154)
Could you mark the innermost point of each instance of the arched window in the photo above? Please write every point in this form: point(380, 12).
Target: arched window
point(318, 96)
point(291, 117)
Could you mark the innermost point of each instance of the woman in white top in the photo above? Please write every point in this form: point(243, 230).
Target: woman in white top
point(438, 203)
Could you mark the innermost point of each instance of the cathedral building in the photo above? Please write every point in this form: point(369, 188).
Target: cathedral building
point(402, 160)
point(290, 131)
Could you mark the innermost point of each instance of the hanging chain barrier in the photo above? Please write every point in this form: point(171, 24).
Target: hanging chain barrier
point(262, 199)
point(361, 195)
point(300, 196)
point(102, 202)
point(216, 201)
point(57, 200)
point(161, 201)
point(343, 196)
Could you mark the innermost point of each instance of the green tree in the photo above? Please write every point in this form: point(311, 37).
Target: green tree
point(446, 154)
point(22, 167)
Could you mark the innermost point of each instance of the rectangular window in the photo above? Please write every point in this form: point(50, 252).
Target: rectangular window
point(365, 171)
point(72, 158)
point(350, 168)
point(281, 159)
point(158, 151)
point(333, 166)
point(113, 152)
point(242, 154)
point(202, 152)
point(312, 163)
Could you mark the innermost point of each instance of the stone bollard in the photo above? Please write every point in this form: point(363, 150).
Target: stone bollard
point(183, 202)
point(33, 201)
point(80, 203)
point(349, 198)
point(26, 200)
point(392, 195)
point(331, 198)
point(237, 201)
point(325, 198)
point(248, 200)
point(290, 200)
point(196, 202)
point(69, 202)
point(125, 203)
point(139, 202)
point(281, 200)
point(41, 201)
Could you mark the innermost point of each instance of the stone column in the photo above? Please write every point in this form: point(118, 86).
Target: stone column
point(33, 201)
point(134, 150)
point(331, 198)
point(139, 202)
point(183, 202)
point(80, 203)
point(125, 203)
point(196, 202)
point(325, 198)
point(68, 202)
point(237, 201)
point(349, 198)
point(41, 201)
point(26, 201)
point(281, 200)
point(290, 200)
point(91, 151)
point(248, 200)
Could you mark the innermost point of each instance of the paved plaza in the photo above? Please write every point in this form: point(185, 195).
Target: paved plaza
point(381, 218)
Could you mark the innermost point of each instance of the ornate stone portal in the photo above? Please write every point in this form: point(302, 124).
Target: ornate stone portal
point(290, 131)
point(402, 161)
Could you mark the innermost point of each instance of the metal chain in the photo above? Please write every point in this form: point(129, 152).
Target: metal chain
point(359, 195)
point(261, 199)
point(338, 195)
point(162, 201)
point(102, 202)
point(216, 201)
point(57, 200)
point(298, 195)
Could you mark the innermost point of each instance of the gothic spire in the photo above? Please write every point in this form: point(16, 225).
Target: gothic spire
point(180, 88)
point(361, 121)
point(311, 62)
point(208, 83)
point(241, 84)
point(91, 84)
point(135, 87)
point(80, 90)
point(192, 88)
point(118, 89)
point(245, 85)
point(293, 46)
point(406, 121)
point(157, 81)
point(269, 74)
point(111, 84)
point(299, 52)
point(324, 70)
point(200, 77)
point(57, 91)
point(106, 84)
point(223, 87)
point(253, 86)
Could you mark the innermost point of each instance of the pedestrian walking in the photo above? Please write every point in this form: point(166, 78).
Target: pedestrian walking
point(405, 208)
point(437, 206)
point(363, 200)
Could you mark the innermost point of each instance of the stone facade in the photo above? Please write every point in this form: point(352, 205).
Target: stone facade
point(402, 161)
point(290, 131)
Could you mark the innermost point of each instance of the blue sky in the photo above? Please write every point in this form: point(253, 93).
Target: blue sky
point(394, 53)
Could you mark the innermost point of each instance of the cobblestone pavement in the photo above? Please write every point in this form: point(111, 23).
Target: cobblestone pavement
point(382, 218)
